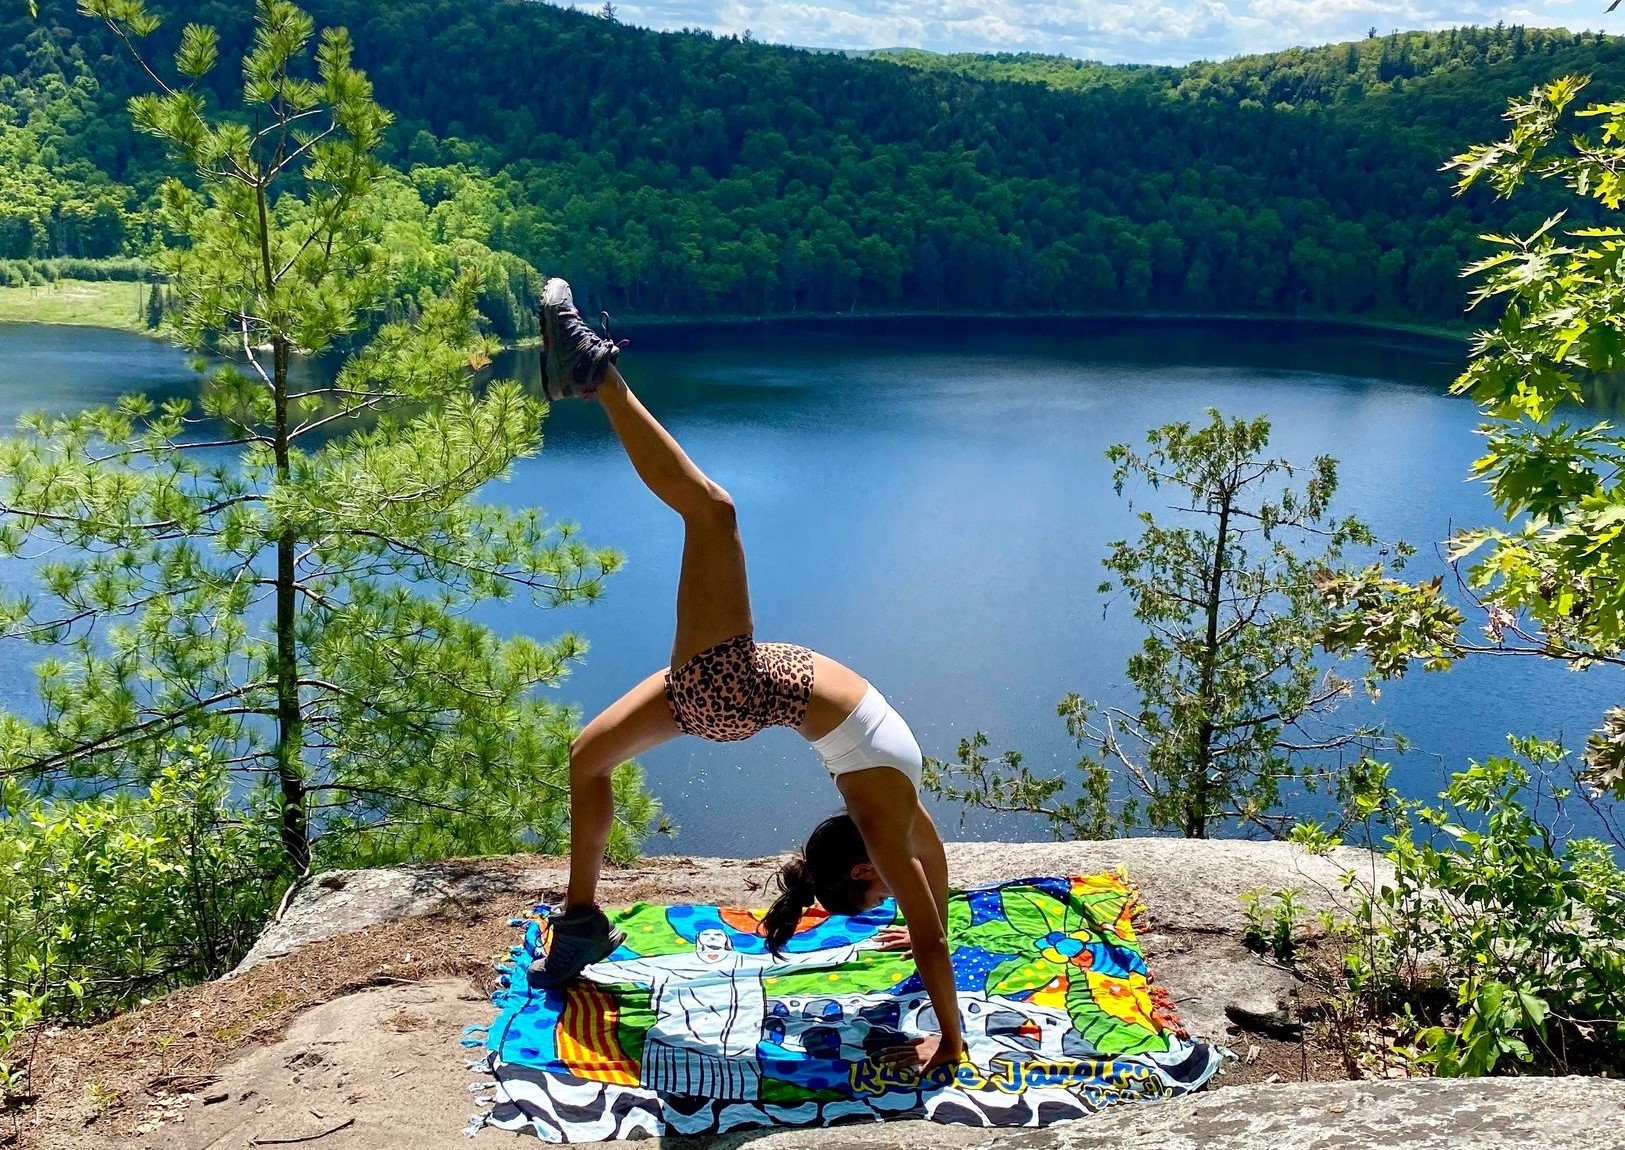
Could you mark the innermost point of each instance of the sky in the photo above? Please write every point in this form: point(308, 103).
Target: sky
point(1142, 31)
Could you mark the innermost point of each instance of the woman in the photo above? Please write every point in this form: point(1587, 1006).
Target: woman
point(723, 685)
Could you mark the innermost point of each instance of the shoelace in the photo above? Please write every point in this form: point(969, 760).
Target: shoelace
point(603, 322)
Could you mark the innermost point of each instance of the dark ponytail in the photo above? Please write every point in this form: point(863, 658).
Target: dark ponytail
point(822, 873)
point(797, 892)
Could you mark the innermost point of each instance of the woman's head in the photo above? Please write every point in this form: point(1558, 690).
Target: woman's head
point(833, 870)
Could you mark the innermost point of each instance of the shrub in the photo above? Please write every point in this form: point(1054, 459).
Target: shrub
point(1500, 940)
point(106, 898)
point(37, 271)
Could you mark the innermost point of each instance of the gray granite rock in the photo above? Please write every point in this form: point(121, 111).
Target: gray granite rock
point(1187, 886)
point(1424, 1114)
point(387, 1060)
point(1192, 891)
point(1193, 895)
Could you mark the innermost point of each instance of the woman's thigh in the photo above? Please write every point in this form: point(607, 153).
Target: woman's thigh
point(713, 591)
point(638, 721)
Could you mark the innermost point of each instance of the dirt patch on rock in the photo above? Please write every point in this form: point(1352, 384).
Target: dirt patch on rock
point(346, 1075)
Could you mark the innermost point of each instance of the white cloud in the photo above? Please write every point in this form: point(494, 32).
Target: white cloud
point(1152, 31)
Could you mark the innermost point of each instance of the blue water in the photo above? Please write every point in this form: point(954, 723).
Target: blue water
point(930, 503)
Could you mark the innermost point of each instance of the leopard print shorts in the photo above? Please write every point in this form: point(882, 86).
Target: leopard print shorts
point(731, 691)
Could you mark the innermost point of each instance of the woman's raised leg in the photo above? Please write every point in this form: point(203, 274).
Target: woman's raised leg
point(713, 604)
point(713, 594)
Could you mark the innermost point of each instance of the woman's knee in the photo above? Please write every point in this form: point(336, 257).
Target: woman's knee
point(716, 507)
point(587, 758)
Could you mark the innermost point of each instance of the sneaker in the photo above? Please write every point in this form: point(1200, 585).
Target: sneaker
point(576, 939)
point(574, 357)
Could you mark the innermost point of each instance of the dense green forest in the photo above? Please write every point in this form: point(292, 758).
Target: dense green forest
point(684, 173)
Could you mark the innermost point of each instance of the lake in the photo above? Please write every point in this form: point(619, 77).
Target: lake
point(929, 502)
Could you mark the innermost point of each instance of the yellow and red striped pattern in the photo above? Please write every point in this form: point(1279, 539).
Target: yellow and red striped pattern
point(586, 1037)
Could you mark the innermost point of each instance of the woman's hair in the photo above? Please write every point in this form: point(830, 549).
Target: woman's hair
point(821, 873)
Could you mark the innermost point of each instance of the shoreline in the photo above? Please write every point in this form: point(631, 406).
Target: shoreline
point(1456, 334)
point(146, 332)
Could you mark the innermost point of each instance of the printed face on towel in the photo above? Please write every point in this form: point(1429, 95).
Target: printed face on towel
point(712, 946)
point(712, 1001)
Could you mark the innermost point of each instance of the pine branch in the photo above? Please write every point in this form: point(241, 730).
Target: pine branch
point(172, 445)
point(103, 526)
point(518, 578)
point(135, 734)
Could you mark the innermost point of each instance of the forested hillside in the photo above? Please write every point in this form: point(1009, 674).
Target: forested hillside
point(685, 173)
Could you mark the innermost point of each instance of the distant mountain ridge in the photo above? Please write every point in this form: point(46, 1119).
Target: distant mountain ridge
point(1348, 70)
point(687, 173)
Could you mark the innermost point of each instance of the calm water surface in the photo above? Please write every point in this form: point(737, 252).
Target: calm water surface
point(930, 504)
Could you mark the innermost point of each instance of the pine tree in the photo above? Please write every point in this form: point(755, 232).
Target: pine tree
point(281, 572)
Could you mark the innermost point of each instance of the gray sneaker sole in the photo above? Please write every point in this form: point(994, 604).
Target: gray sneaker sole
point(541, 977)
point(555, 294)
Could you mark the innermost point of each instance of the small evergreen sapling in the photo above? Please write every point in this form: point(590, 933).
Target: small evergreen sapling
point(1232, 701)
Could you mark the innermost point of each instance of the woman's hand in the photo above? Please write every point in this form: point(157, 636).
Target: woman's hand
point(921, 1055)
point(894, 938)
point(937, 1052)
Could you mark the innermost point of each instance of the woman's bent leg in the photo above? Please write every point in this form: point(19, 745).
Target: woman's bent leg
point(636, 722)
point(713, 593)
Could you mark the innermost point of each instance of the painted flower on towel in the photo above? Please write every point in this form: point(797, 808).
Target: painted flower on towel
point(1059, 948)
point(1069, 945)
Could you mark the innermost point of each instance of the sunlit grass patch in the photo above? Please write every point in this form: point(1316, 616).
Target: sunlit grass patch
point(117, 304)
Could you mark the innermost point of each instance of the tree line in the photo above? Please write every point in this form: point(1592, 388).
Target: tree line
point(685, 173)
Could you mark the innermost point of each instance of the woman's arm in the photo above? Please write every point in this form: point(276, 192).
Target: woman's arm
point(883, 804)
point(927, 846)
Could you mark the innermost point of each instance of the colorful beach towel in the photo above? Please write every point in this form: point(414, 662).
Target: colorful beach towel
point(692, 1027)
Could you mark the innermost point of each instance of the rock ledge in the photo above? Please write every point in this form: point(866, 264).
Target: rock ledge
point(1192, 893)
point(1191, 889)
